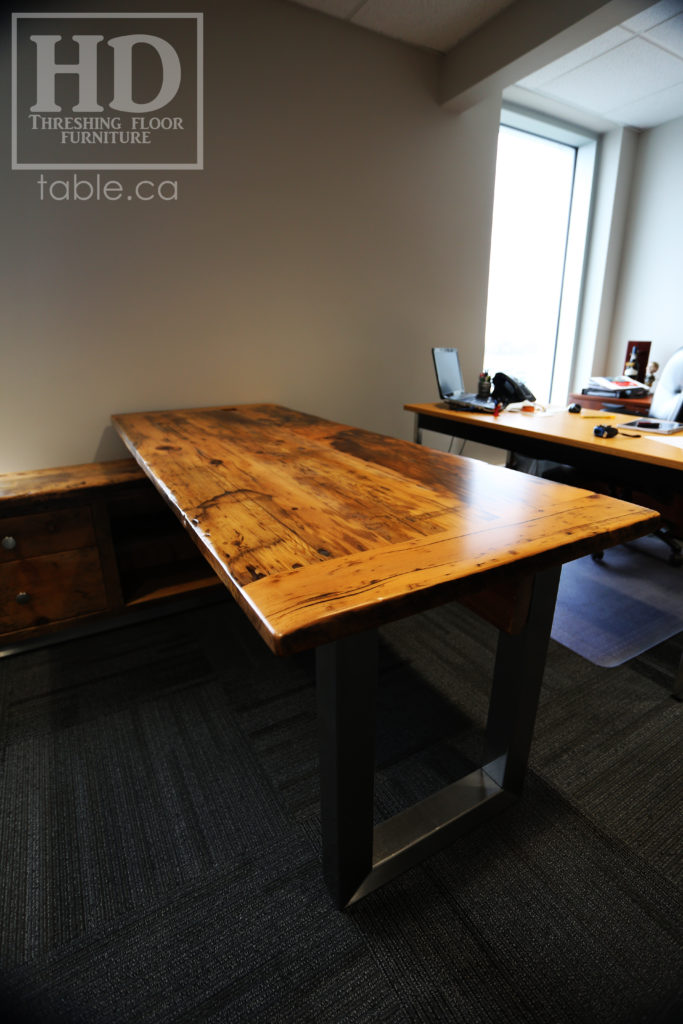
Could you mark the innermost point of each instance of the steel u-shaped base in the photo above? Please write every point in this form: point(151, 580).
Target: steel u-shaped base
point(358, 857)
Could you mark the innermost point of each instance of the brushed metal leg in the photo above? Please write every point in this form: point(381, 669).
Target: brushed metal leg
point(358, 858)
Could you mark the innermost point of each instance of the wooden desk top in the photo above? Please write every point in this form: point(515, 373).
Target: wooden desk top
point(321, 530)
point(572, 429)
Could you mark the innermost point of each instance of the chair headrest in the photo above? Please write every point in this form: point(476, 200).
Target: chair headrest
point(667, 398)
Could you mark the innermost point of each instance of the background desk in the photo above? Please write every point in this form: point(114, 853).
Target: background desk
point(323, 532)
point(636, 406)
point(645, 462)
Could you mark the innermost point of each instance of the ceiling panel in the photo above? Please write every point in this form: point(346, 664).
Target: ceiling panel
point(654, 15)
point(431, 24)
point(669, 35)
point(633, 70)
point(434, 24)
point(652, 110)
point(582, 55)
point(632, 74)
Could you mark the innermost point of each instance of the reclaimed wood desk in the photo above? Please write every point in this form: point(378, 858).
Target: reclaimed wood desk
point(322, 533)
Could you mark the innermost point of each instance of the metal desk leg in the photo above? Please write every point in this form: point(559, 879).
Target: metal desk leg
point(677, 691)
point(517, 678)
point(346, 685)
point(358, 858)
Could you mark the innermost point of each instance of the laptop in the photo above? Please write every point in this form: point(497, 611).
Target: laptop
point(655, 426)
point(450, 383)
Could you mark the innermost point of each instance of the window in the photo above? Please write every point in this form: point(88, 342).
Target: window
point(544, 176)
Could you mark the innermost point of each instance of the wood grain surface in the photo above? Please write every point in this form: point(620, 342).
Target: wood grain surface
point(64, 481)
point(60, 585)
point(321, 530)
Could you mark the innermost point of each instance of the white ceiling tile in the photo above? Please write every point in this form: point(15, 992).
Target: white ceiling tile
point(581, 55)
point(652, 110)
point(435, 24)
point(669, 35)
point(654, 15)
point(621, 76)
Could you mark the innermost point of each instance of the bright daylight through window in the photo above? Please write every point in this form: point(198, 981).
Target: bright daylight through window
point(540, 223)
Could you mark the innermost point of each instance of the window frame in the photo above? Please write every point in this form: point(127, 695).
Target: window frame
point(586, 146)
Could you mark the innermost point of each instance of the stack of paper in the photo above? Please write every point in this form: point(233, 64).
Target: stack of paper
point(626, 386)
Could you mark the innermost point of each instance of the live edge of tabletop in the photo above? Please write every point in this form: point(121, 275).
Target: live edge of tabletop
point(323, 532)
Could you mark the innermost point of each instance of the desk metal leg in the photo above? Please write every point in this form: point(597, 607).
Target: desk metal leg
point(346, 685)
point(678, 681)
point(517, 678)
point(358, 858)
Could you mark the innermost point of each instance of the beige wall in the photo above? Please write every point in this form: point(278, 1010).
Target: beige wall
point(649, 305)
point(341, 227)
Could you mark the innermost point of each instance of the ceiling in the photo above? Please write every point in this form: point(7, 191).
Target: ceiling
point(630, 75)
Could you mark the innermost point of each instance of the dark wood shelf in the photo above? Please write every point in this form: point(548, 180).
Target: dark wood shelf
point(166, 581)
point(638, 406)
point(107, 516)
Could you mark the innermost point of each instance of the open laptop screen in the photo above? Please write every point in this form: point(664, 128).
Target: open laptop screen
point(448, 372)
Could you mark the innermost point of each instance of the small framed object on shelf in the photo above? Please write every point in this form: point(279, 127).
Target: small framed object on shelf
point(637, 358)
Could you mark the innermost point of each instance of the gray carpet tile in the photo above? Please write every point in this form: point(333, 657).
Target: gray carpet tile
point(160, 838)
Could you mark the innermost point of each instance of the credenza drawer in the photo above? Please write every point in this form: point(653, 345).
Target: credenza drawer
point(45, 532)
point(50, 588)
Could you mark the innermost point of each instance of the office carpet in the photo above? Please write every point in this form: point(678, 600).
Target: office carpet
point(160, 842)
point(612, 610)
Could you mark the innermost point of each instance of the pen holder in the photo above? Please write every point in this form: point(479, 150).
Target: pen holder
point(484, 386)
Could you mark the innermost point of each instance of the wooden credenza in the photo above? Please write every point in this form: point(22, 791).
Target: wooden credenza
point(637, 406)
point(78, 542)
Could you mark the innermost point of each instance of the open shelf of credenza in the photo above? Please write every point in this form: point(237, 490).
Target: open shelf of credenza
point(80, 542)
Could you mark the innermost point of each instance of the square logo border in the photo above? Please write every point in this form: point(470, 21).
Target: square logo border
point(197, 166)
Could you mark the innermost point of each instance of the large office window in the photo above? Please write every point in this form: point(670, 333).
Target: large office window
point(544, 175)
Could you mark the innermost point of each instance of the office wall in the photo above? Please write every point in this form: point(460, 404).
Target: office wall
point(649, 303)
point(339, 229)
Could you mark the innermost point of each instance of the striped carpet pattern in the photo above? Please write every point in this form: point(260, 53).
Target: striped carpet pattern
point(160, 842)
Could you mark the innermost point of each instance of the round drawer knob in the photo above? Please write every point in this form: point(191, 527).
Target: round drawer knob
point(8, 543)
point(23, 597)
